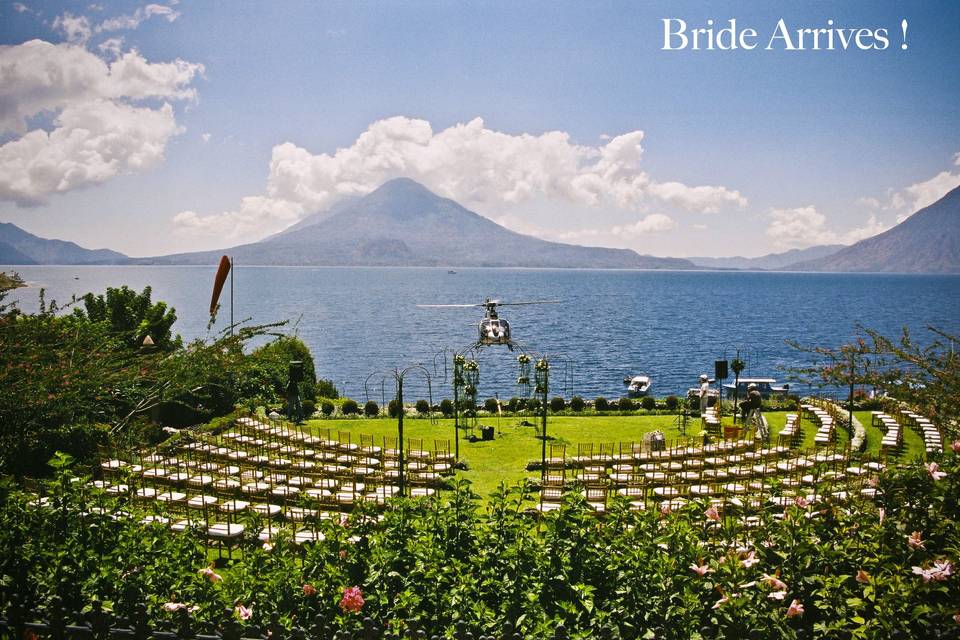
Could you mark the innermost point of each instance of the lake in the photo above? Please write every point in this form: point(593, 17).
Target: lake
point(670, 325)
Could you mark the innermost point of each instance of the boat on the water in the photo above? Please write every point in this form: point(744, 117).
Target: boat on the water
point(637, 386)
point(766, 386)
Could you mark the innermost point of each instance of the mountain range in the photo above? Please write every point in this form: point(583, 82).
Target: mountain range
point(19, 247)
point(926, 242)
point(402, 223)
point(769, 261)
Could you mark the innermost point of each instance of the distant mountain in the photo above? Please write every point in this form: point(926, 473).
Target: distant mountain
point(314, 218)
point(10, 255)
point(402, 223)
point(926, 242)
point(769, 261)
point(19, 247)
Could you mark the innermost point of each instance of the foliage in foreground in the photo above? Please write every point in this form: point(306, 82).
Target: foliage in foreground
point(75, 381)
point(852, 570)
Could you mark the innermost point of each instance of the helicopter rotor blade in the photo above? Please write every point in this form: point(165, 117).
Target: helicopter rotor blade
point(516, 304)
point(448, 306)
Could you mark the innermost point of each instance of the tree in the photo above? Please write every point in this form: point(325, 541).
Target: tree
point(371, 409)
point(601, 404)
point(423, 407)
point(349, 407)
point(577, 404)
point(671, 402)
point(131, 317)
point(648, 403)
point(625, 404)
point(327, 408)
point(446, 407)
point(557, 404)
point(490, 405)
point(394, 408)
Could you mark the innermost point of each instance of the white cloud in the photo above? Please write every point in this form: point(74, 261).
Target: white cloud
point(99, 130)
point(870, 229)
point(484, 169)
point(134, 20)
point(19, 7)
point(911, 199)
point(653, 223)
point(76, 29)
point(255, 213)
point(92, 142)
point(925, 193)
point(805, 227)
point(799, 227)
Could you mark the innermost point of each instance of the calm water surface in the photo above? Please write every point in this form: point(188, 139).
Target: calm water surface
point(670, 325)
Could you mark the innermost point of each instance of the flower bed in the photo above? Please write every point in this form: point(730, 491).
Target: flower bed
point(825, 569)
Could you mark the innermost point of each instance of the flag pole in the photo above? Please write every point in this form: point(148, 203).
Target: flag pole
point(232, 267)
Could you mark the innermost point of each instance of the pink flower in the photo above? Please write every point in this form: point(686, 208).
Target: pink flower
point(956, 449)
point(775, 583)
point(873, 482)
point(722, 601)
point(750, 560)
point(666, 509)
point(309, 590)
point(944, 569)
point(934, 470)
point(795, 609)
point(174, 606)
point(926, 574)
point(801, 502)
point(700, 569)
point(712, 514)
point(245, 613)
point(777, 595)
point(210, 574)
point(343, 554)
point(862, 576)
point(267, 546)
point(352, 600)
point(914, 541)
point(956, 616)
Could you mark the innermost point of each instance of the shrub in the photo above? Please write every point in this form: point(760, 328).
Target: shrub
point(490, 404)
point(393, 408)
point(309, 407)
point(577, 404)
point(533, 404)
point(625, 404)
point(349, 407)
point(423, 407)
point(557, 404)
point(672, 402)
point(648, 403)
point(371, 409)
point(513, 404)
point(601, 404)
point(446, 407)
point(327, 408)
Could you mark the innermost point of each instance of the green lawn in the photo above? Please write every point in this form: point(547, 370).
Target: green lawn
point(505, 458)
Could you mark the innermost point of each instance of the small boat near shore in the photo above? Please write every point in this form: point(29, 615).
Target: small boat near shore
point(637, 386)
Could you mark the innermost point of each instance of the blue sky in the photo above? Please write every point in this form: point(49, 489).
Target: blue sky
point(530, 115)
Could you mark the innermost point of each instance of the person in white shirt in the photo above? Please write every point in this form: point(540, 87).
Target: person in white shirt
point(704, 392)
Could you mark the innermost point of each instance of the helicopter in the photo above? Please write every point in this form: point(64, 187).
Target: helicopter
point(492, 330)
